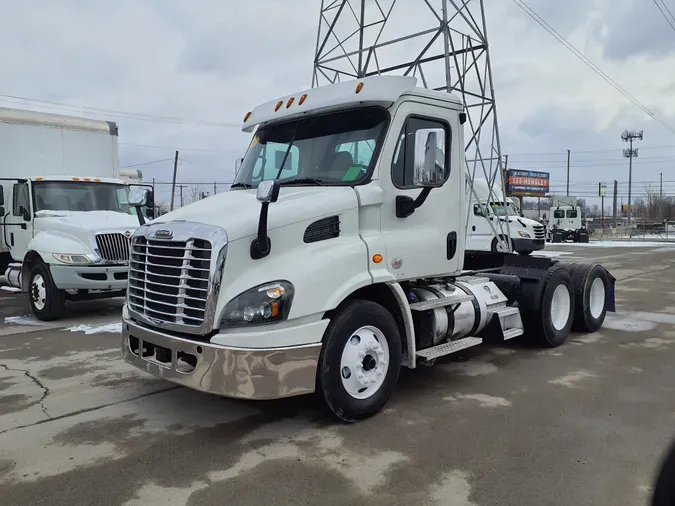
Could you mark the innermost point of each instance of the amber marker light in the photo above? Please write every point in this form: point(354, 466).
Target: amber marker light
point(377, 258)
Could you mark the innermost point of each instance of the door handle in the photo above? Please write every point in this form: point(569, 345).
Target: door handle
point(473, 228)
point(451, 244)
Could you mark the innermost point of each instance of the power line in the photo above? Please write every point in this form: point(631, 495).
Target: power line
point(663, 13)
point(121, 114)
point(146, 163)
point(540, 21)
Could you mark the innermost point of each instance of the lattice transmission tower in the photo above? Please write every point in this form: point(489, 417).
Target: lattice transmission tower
point(441, 42)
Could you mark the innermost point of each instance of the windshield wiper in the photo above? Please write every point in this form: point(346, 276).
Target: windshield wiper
point(301, 181)
point(241, 185)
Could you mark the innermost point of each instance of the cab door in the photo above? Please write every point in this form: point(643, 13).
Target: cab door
point(19, 222)
point(429, 239)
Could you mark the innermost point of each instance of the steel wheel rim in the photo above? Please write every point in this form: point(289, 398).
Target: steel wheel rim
point(561, 303)
point(364, 362)
point(596, 302)
point(38, 292)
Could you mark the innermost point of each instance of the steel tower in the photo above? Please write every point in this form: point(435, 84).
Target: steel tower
point(443, 43)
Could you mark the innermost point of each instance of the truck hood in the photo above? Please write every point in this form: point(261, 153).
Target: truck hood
point(85, 221)
point(238, 211)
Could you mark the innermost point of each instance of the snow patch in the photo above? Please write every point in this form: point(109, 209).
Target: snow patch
point(552, 254)
point(10, 289)
point(572, 379)
point(111, 328)
point(484, 401)
point(620, 244)
point(472, 368)
point(453, 489)
point(24, 320)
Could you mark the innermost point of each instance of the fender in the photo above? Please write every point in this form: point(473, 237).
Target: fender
point(47, 243)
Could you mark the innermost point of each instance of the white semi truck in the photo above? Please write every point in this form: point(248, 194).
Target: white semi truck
point(65, 220)
point(332, 266)
point(565, 221)
point(488, 203)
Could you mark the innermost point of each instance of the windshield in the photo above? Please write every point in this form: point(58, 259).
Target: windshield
point(337, 148)
point(572, 213)
point(499, 210)
point(80, 196)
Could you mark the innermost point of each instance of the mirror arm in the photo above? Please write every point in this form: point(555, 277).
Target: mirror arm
point(139, 215)
point(405, 205)
point(261, 245)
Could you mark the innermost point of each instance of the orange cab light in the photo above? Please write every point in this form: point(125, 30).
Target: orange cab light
point(302, 99)
point(124, 182)
point(76, 179)
point(359, 87)
point(290, 102)
point(279, 104)
point(97, 180)
point(39, 178)
point(274, 306)
point(87, 178)
point(248, 115)
point(377, 258)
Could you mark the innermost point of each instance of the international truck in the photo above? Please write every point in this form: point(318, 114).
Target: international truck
point(566, 222)
point(329, 268)
point(487, 210)
point(65, 219)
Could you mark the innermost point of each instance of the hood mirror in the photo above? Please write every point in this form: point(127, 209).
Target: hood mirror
point(268, 192)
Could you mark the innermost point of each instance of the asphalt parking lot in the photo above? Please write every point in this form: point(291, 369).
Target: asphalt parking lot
point(585, 423)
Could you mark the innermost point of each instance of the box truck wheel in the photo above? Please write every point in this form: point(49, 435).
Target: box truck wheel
point(590, 292)
point(360, 360)
point(46, 300)
point(551, 325)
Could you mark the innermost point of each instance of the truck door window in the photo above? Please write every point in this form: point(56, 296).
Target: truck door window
point(571, 213)
point(20, 199)
point(402, 170)
point(478, 210)
point(558, 213)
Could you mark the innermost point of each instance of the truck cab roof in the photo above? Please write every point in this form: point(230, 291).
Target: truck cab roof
point(83, 179)
point(376, 90)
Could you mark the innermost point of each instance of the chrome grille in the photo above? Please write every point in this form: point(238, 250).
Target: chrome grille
point(113, 247)
point(169, 280)
point(539, 232)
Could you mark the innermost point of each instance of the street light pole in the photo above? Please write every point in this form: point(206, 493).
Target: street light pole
point(630, 153)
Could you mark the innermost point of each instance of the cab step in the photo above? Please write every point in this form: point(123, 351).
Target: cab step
point(510, 322)
point(441, 302)
point(449, 348)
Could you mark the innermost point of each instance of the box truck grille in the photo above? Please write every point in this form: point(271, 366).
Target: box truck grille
point(169, 280)
point(539, 232)
point(113, 247)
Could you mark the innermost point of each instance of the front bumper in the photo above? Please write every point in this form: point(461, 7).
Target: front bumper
point(245, 373)
point(106, 277)
point(528, 244)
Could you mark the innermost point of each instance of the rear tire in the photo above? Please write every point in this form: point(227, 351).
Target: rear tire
point(360, 360)
point(46, 300)
point(550, 326)
point(591, 287)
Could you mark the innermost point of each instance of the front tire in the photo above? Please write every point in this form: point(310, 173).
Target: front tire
point(46, 300)
point(360, 360)
point(551, 325)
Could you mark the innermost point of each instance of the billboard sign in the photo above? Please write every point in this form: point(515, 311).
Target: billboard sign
point(527, 183)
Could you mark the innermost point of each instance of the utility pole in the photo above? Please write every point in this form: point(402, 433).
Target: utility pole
point(602, 188)
point(180, 187)
point(215, 188)
point(661, 185)
point(173, 185)
point(614, 204)
point(630, 153)
point(568, 172)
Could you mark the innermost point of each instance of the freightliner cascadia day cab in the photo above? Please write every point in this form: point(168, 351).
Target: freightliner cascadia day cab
point(329, 267)
point(65, 219)
point(526, 235)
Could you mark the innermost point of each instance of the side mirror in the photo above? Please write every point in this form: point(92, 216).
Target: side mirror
point(268, 191)
point(2, 197)
point(429, 161)
point(138, 198)
point(25, 213)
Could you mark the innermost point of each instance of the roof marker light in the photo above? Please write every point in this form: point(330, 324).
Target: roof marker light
point(248, 115)
point(76, 179)
point(290, 102)
point(279, 104)
point(359, 87)
point(302, 99)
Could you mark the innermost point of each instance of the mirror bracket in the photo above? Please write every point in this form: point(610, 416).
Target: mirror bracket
point(267, 193)
point(405, 205)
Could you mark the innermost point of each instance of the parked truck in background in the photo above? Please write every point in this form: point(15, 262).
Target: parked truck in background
point(329, 268)
point(566, 221)
point(487, 207)
point(65, 219)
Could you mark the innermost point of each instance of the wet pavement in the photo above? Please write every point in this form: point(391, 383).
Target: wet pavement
point(585, 423)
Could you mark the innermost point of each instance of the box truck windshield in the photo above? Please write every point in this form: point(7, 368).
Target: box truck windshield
point(80, 196)
point(337, 148)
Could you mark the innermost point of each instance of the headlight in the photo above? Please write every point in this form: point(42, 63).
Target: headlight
point(268, 303)
point(67, 258)
point(524, 234)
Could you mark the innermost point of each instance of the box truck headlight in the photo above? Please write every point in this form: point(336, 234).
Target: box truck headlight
point(268, 303)
point(524, 234)
point(68, 258)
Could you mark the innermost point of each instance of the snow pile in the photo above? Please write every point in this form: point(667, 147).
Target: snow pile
point(10, 289)
point(24, 320)
point(620, 244)
point(110, 328)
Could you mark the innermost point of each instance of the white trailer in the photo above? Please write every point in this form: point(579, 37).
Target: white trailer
point(332, 266)
point(488, 204)
point(65, 220)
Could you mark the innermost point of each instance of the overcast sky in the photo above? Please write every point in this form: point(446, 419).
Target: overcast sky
point(210, 61)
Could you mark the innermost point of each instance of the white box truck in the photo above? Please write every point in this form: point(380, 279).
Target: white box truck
point(330, 267)
point(65, 219)
point(488, 204)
